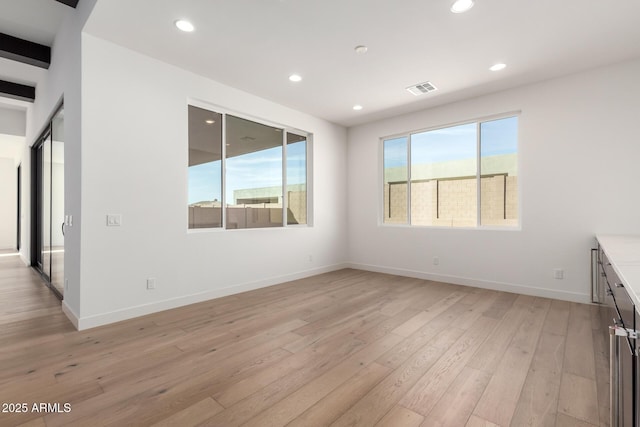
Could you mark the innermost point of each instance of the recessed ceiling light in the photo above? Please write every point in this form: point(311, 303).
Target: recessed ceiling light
point(295, 78)
point(357, 107)
point(209, 122)
point(361, 49)
point(497, 67)
point(460, 6)
point(184, 25)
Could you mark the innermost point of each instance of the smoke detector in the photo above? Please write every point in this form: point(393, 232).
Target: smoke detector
point(421, 88)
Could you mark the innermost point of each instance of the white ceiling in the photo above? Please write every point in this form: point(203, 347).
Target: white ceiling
point(254, 45)
point(34, 20)
point(37, 21)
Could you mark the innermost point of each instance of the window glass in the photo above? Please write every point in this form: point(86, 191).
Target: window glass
point(499, 171)
point(443, 177)
point(459, 176)
point(253, 196)
point(296, 179)
point(205, 168)
point(237, 173)
point(395, 181)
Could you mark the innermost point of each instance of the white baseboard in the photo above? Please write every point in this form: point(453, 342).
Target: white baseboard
point(70, 314)
point(82, 323)
point(25, 260)
point(484, 284)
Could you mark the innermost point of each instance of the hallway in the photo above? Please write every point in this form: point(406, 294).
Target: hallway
point(28, 309)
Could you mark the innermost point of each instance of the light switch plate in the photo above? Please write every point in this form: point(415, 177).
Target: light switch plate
point(114, 220)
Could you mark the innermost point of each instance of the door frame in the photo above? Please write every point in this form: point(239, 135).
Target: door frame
point(19, 208)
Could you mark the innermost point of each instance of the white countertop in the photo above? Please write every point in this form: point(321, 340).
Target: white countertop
point(623, 252)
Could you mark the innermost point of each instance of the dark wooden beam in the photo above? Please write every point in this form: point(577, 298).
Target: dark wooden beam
point(72, 3)
point(17, 91)
point(24, 51)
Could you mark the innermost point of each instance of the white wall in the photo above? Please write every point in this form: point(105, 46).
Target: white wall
point(579, 147)
point(8, 203)
point(62, 81)
point(13, 115)
point(134, 163)
point(12, 121)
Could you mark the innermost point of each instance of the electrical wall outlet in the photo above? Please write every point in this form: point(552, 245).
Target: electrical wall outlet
point(151, 283)
point(558, 273)
point(436, 260)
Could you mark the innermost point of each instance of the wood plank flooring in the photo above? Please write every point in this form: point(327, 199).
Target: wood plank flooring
point(347, 348)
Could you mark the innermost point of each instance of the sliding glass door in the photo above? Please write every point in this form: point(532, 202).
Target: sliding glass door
point(57, 201)
point(45, 214)
point(48, 201)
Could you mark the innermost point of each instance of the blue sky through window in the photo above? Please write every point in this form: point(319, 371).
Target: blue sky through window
point(453, 143)
point(395, 152)
point(252, 170)
point(499, 136)
point(204, 182)
point(442, 145)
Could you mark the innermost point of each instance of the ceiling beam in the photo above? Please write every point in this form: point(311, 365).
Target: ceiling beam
point(17, 91)
point(72, 3)
point(24, 51)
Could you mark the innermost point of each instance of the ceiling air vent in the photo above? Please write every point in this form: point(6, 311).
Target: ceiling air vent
point(422, 88)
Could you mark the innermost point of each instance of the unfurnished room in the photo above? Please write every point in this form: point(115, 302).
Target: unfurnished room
point(319, 213)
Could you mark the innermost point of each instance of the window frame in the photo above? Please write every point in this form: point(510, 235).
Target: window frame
point(408, 134)
point(286, 129)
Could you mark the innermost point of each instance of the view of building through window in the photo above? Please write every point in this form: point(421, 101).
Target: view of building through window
point(431, 178)
point(255, 172)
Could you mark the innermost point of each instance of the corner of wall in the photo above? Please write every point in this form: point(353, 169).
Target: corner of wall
point(75, 320)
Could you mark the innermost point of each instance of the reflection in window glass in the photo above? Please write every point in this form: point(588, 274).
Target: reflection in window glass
point(253, 196)
point(499, 172)
point(395, 181)
point(205, 168)
point(443, 177)
point(296, 179)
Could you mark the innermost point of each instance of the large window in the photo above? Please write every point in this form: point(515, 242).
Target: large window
point(458, 176)
point(257, 178)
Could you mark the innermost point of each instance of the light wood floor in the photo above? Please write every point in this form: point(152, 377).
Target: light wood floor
point(343, 348)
